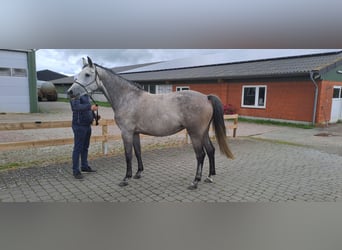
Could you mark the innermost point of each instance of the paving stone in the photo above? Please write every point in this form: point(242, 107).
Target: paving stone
point(260, 173)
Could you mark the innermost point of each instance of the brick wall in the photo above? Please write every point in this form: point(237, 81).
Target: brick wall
point(219, 89)
point(284, 100)
point(287, 100)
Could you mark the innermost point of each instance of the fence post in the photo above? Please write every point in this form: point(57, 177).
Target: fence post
point(105, 140)
point(235, 126)
point(186, 137)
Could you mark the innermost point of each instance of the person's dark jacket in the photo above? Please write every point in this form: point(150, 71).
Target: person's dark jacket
point(81, 111)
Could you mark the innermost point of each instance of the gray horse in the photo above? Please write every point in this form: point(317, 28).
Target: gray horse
point(139, 112)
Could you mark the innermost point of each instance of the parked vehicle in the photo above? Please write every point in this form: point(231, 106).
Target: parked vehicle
point(46, 91)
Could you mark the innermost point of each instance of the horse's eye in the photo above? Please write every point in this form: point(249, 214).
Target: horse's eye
point(87, 75)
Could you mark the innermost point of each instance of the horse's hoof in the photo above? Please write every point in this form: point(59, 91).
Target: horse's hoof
point(193, 186)
point(123, 183)
point(208, 180)
point(137, 176)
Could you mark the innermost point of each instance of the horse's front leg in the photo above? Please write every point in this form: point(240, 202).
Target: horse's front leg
point(137, 150)
point(128, 142)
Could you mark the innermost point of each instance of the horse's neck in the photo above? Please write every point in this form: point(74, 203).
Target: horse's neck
point(116, 89)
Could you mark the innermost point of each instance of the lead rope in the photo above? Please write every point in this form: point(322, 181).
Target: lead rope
point(97, 117)
point(96, 113)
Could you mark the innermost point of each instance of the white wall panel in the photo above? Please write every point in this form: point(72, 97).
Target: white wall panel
point(14, 91)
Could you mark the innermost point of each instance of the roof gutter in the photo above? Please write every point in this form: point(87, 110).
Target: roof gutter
point(316, 97)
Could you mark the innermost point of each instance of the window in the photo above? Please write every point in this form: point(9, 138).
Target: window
point(5, 71)
point(157, 89)
point(150, 88)
point(254, 96)
point(13, 72)
point(163, 89)
point(19, 72)
point(337, 93)
point(182, 88)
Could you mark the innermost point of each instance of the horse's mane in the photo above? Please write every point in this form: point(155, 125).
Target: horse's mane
point(135, 84)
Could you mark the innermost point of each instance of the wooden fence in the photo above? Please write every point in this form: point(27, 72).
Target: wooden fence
point(67, 124)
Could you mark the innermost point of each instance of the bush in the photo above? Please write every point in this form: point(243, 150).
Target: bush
point(229, 109)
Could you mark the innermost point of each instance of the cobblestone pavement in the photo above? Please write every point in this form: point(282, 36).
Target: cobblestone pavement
point(273, 163)
point(263, 171)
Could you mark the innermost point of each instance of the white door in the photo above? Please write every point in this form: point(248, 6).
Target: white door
point(14, 84)
point(336, 107)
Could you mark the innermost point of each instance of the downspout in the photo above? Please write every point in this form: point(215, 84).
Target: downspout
point(316, 97)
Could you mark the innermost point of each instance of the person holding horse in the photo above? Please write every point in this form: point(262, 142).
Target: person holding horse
point(82, 118)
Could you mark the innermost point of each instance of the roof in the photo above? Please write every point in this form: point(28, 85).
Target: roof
point(64, 80)
point(232, 57)
point(20, 50)
point(48, 75)
point(275, 67)
point(132, 67)
point(70, 79)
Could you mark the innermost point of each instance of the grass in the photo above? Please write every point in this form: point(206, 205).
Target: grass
point(10, 165)
point(277, 123)
point(101, 104)
point(280, 142)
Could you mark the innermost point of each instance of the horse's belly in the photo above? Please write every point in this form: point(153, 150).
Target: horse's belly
point(158, 128)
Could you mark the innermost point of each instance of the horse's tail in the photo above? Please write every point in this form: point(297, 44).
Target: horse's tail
point(219, 126)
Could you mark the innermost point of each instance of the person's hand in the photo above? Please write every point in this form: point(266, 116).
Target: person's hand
point(94, 107)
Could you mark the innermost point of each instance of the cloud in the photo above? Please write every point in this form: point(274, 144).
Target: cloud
point(69, 61)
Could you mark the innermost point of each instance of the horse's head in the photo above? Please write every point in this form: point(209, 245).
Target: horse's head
point(87, 81)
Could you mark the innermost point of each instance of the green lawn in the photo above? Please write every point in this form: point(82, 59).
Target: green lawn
point(278, 123)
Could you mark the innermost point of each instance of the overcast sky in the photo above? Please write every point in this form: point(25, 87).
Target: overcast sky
point(69, 61)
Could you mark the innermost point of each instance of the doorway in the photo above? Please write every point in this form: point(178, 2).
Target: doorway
point(336, 106)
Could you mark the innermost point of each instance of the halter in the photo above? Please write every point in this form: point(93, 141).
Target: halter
point(90, 95)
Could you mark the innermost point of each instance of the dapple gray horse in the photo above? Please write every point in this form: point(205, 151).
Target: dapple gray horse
point(139, 112)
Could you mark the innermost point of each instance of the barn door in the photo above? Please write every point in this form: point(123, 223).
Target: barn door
point(336, 107)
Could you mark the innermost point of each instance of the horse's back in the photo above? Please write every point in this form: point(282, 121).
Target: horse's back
point(184, 103)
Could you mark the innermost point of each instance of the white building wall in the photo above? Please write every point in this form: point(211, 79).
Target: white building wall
point(14, 89)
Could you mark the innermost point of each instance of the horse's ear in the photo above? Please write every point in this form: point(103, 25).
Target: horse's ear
point(90, 62)
point(84, 61)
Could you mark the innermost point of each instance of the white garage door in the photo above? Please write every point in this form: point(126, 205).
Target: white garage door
point(14, 84)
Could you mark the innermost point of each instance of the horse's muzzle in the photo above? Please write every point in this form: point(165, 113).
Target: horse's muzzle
point(71, 94)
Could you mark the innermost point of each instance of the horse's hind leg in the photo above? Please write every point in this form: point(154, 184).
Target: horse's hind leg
point(210, 149)
point(200, 155)
point(137, 150)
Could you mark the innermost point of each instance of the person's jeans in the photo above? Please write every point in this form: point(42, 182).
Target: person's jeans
point(81, 144)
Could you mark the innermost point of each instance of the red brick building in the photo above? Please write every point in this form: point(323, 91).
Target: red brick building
point(304, 89)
